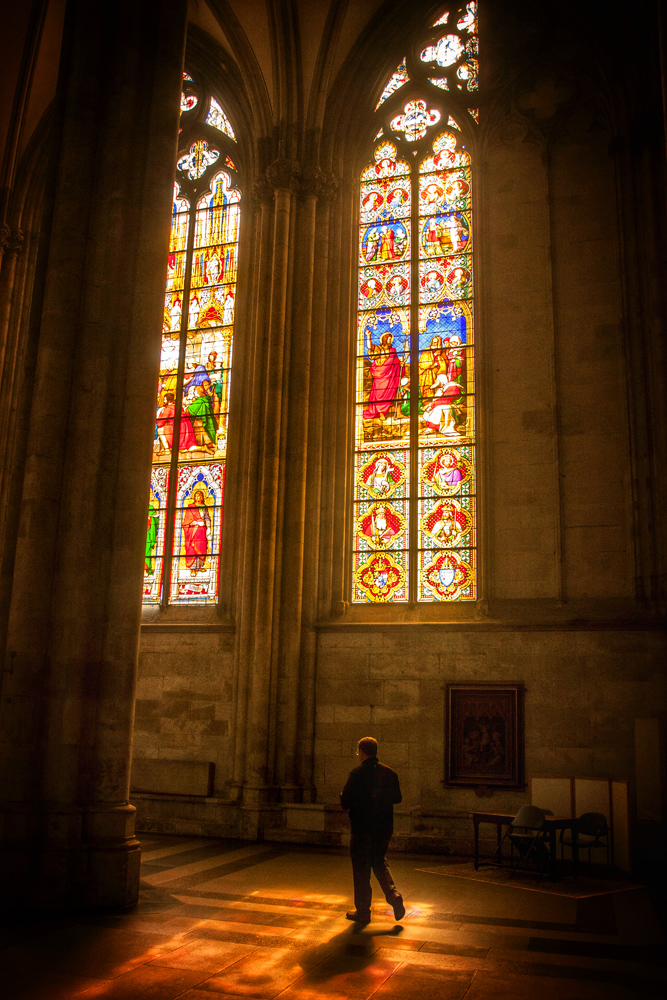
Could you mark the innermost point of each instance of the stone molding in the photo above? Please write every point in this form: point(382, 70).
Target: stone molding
point(11, 240)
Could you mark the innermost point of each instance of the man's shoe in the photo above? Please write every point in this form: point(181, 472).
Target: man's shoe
point(399, 909)
point(359, 918)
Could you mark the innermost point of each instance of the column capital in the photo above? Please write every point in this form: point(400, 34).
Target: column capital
point(285, 174)
point(317, 182)
point(261, 192)
point(11, 240)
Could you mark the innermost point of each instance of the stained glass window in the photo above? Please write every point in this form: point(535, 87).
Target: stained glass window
point(397, 79)
point(192, 405)
point(414, 512)
point(453, 55)
point(218, 119)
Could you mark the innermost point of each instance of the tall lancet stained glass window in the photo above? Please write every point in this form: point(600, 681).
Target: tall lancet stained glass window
point(182, 557)
point(414, 514)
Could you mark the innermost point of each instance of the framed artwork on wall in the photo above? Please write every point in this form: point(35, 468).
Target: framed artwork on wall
point(484, 738)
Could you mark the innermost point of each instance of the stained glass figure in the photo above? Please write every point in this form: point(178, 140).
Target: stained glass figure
point(155, 534)
point(197, 161)
point(192, 400)
point(446, 51)
point(468, 72)
point(199, 496)
point(188, 102)
point(415, 121)
point(218, 119)
point(468, 20)
point(398, 78)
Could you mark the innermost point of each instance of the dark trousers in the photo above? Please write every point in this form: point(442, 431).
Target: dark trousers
point(367, 851)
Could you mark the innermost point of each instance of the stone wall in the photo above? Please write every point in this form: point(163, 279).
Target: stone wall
point(184, 706)
point(583, 691)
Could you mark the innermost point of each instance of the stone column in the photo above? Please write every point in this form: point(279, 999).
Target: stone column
point(319, 469)
point(68, 694)
point(255, 649)
point(11, 244)
point(299, 562)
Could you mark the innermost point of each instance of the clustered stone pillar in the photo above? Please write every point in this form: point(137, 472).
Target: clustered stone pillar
point(73, 628)
point(299, 560)
point(271, 713)
point(255, 648)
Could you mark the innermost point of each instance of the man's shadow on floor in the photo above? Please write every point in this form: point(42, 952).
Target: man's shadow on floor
point(349, 951)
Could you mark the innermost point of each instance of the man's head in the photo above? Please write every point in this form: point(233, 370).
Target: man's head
point(367, 747)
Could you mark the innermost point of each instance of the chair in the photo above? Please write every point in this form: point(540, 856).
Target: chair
point(592, 832)
point(526, 834)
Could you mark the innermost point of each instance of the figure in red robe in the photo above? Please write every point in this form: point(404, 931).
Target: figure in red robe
point(165, 427)
point(386, 375)
point(196, 526)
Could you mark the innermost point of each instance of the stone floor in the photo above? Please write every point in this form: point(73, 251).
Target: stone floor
point(223, 919)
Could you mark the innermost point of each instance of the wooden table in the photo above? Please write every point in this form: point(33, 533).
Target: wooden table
point(551, 824)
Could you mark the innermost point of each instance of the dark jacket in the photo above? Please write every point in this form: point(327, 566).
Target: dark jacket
point(370, 794)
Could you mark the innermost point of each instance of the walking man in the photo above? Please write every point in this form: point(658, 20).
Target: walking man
point(370, 794)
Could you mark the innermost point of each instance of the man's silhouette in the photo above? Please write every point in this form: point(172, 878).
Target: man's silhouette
point(370, 794)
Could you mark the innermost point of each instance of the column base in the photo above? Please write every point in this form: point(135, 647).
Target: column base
point(291, 793)
point(43, 871)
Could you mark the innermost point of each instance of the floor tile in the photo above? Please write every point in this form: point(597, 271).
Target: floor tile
point(100, 952)
point(344, 975)
point(146, 983)
point(422, 984)
point(198, 994)
point(205, 955)
point(567, 989)
point(259, 975)
point(486, 986)
point(206, 865)
point(42, 984)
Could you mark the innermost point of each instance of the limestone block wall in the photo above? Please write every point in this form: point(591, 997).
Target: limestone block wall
point(184, 700)
point(583, 691)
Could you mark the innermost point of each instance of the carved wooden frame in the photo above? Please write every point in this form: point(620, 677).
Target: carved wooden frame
point(484, 739)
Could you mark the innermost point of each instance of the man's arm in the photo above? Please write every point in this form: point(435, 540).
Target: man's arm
point(396, 791)
point(347, 795)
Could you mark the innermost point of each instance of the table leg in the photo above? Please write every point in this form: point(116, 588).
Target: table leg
point(552, 854)
point(575, 851)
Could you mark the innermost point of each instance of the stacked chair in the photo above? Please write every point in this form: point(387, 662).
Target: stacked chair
point(592, 833)
point(529, 845)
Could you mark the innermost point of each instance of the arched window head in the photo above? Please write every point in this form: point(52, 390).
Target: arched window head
point(447, 57)
point(182, 557)
point(414, 516)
